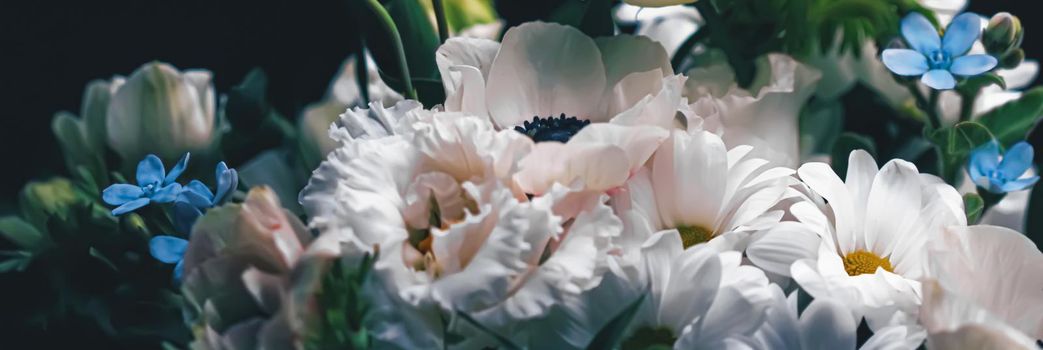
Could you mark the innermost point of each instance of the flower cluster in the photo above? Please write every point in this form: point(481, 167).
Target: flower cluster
point(704, 174)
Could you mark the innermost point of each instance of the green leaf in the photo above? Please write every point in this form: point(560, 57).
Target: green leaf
point(974, 84)
point(1013, 120)
point(70, 132)
point(611, 335)
point(419, 39)
point(21, 233)
point(14, 260)
point(974, 206)
point(960, 139)
point(592, 17)
point(504, 342)
point(846, 143)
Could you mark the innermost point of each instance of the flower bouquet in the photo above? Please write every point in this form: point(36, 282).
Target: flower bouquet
point(596, 174)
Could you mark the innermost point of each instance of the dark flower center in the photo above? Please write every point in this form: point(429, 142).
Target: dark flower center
point(559, 129)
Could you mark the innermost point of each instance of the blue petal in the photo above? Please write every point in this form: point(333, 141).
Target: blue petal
point(1020, 184)
point(972, 65)
point(167, 194)
point(1016, 161)
point(961, 34)
point(150, 170)
point(905, 62)
point(177, 170)
point(920, 33)
point(179, 270)
point(194, 199)
point(168, 249)
point(226, 183)
point(197, 187)
point(185, 216)
point(130, 206)
point(983, 160)
point(939, 79)
point(118, 194)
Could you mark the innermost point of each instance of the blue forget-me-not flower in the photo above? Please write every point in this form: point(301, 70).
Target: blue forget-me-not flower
point(938, 59)
point(154, 185)
point(1003, 174)
point(169, 250)
point(197, 197)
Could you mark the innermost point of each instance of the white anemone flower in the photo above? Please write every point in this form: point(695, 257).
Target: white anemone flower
point(873, 235)
point(670, 25)
point(435, 199)
point(984, 290)
point(549, 74)
point(765, 115)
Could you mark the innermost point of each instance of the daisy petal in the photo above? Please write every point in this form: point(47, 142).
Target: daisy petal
point(827, 324)
point(961, 34)
point(905, 62)
point(920, 33)
point(972, 65)
point(939, 79)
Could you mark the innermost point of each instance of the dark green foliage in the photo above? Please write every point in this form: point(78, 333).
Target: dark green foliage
point(341, 308)
point(75, 270)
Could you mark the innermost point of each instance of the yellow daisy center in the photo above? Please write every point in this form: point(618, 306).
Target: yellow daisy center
point(692, 235)
point(860, 261)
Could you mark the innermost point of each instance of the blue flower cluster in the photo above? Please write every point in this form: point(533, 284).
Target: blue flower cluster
point(998, 173)
point(155, 185)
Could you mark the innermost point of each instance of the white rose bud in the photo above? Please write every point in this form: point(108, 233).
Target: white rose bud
point(162, 111)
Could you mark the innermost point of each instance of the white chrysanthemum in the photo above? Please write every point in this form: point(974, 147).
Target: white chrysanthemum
point(765, 115)
point(454, 235)
point(984, 290)
point(705, 192)
point(873, 234)
point(546, 71)
point(824, 324)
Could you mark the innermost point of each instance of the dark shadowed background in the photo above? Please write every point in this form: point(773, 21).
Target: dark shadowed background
point(49, 51)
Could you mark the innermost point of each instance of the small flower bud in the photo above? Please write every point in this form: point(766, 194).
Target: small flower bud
point(1003, 34)
point(1012, 59)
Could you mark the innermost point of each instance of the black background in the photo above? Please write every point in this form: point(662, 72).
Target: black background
point(50, 50)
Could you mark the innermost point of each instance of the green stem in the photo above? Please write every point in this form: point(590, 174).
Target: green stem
point(385, 21)
point(443, 28)
point(685, 49)
point(989, 199)
point(932, 105)
point(921, 101)
point(967, 105)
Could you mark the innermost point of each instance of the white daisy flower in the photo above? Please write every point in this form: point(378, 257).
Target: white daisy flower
point(984, 290)
point(873, 235)
point(823, 324)
point(546, 74)
point(706, 193)
point(436, 199)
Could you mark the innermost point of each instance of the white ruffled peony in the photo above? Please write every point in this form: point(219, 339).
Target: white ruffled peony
point(435, 196)
point(548, 71)
point(873, 233)
point(984, 290)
